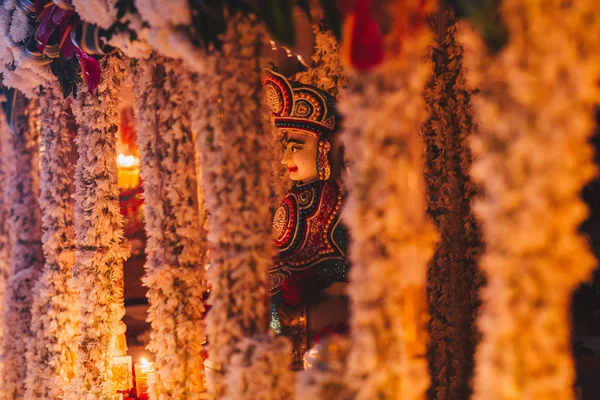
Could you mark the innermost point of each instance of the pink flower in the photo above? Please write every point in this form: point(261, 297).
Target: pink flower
point(90, 69)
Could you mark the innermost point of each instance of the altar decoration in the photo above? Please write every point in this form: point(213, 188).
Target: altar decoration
point(535, 112)
point(453, 277)
point(176, 249)
point(235, 161)
point(4, 230)
point(99, 236)
point(52, 352)
point(392, 237)
point(21, 157)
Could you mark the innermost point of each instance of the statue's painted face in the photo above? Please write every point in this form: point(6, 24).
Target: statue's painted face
point(300, 155)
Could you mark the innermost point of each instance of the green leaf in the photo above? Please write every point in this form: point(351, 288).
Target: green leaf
point(277, 15)
point(484, 16)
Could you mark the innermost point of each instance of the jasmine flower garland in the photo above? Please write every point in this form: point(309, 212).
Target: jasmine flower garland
point(21, 149)
point(176, 249)
point(5, 234)
point(99, 236)
point(55, 322)
point(392, 237)
point(100, 12)
point(532, 158)
point(234, 143)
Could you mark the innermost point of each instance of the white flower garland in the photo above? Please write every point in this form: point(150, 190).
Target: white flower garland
point(52, 353)
point(162, 14)
point(327, 70)
point(5, 233)
point(18, 70)
point(98, 229)
point(100, 12)
point(21, 165)
point(453, 275)
point(260, 369)
point(392, 238)
point(176, 247)
point(532, 157)
point(234, 142)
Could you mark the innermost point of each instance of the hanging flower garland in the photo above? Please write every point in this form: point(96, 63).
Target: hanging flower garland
point(55, 314)
point(392, 238)
point(261, 369)
point(21, 165)
point(235, 157)
point(326, 71)
point(5, 233)
point(532, 157)
point(19, 69)
point(176, 247)
point(98, 229)
point(172, 28)
point(453, 276)
point(100, 12)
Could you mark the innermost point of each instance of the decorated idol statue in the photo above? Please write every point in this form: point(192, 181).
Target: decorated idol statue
point(309, 271)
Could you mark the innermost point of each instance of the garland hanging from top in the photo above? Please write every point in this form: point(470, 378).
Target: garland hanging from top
point(532, 157)
point(386, 213)
point(176, 247)
point(21, 165)
point(5, 233)
point(98, 229)
point(55, 316)
point(453, 278)
point(235, 159)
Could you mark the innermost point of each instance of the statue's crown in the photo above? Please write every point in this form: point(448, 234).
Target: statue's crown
point(298, 106)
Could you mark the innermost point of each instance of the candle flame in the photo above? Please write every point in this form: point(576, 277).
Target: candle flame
point(126, 161)
point(145, 362)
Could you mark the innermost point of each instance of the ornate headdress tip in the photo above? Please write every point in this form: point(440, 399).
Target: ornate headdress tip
point(299, 106)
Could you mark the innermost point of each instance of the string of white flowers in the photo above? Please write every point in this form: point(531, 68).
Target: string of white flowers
point(161, 14)
point(165, 31)
point(233, 143)
point(98, 229)
point(261, 369)
point(452, 277)
point(55, 313)
point(18, 70)
point(100, 12)
point(532, 157)
point(21, 164)
point(176, 247)
point(392, 238)
point(5, 234)
point(326, 70)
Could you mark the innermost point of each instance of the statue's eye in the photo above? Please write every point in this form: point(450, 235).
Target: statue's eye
point(296, 148)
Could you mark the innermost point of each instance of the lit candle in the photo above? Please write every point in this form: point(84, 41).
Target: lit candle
point(129, 171)
point(144, 372)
